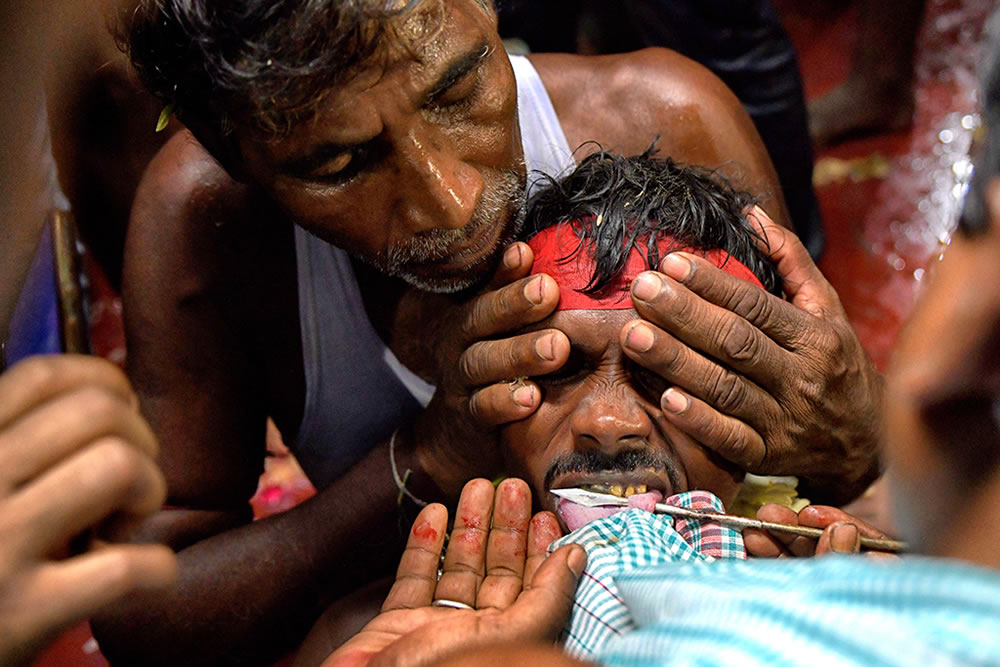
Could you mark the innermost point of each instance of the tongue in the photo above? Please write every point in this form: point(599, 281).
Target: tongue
point(576, 516)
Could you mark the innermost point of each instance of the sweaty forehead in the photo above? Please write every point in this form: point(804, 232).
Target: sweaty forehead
point(421, 43)
point(414, 57)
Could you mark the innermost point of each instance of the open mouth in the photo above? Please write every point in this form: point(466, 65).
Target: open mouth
point(641, 493)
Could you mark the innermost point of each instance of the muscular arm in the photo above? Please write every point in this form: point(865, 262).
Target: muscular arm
point(200, 361)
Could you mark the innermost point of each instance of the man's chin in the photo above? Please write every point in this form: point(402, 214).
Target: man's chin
point(469, 280)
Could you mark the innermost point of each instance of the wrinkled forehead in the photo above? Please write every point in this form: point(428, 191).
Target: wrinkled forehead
point(413, 53)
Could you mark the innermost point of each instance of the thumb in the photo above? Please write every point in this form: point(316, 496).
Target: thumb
point(839, 537)
point(802, 280)
point(543, 609)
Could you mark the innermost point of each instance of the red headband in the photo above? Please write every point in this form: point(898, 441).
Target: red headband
point(553, 244)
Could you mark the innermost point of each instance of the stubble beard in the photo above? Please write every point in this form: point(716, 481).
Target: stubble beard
point(502, 202)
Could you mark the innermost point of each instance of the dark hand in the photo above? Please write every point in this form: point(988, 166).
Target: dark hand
point(841, 533)
point(495, 563)
point(777, 387)
point(476, 391)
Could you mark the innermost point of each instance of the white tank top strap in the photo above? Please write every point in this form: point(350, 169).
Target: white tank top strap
point(545, 147)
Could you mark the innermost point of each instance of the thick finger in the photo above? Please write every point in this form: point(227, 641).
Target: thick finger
point(839, 537)
point(526, 355)
point(802, 280)
point(764, 544)
point(59, 594)
point(729, 437)
point(516, 264)
point(676, 363)
point(61, 426)
point(505, 402)
point(465, 560)
point(416, 577)
point(722, 331)
point(507, 546)
point(107, 478)
point(509, 308)
point(37, 380)
point(821, 516)
point(542, 610)
point(796, 545)
point(543, 530)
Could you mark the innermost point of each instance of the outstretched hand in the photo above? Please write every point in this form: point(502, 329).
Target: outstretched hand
point(478, 366)
point(76, 468)
point(777, 387)
point(495, 564)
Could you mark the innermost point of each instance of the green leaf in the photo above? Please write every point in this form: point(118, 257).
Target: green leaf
point(164, 119)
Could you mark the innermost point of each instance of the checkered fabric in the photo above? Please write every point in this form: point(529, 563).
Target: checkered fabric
point(832, 610)
point(632, 540)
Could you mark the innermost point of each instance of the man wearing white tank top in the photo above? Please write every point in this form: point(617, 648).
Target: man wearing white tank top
point(392, 134)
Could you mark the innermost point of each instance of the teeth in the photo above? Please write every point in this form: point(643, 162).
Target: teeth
point(617, 489)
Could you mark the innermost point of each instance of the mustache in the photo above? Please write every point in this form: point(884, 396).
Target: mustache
point(622, 462)
point(435, 244)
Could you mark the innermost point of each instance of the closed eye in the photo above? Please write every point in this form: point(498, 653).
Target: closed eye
point(347, 164)
point(573, 370)
point(649, 383)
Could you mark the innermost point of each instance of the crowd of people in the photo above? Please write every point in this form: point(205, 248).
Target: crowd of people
point(430, 262)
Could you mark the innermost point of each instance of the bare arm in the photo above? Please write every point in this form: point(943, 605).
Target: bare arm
point(246, 591)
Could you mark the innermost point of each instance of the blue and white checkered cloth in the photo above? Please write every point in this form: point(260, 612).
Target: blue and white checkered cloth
point(832, 610)
point(631, 541)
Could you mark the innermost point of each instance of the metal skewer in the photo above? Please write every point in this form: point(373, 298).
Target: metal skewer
point(594, 499)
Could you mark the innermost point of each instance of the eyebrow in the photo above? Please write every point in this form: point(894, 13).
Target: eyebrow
point(459, 68)
point(302, 167)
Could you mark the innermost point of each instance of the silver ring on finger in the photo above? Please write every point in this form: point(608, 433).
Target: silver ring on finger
point(453, 604)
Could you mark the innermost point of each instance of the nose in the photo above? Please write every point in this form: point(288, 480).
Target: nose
point(612, 418)
point(439, 190)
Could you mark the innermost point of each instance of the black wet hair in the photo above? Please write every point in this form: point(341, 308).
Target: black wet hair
point(267, 61)
point(620, 203)
point(975, 216)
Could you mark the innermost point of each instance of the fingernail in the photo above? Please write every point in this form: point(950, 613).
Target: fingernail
point(845, 539)
point(674, 401)
point(577, 560)
point(512, 256)
point(640, 338)
point(533, 290)
point(646, 286)
point(524, 396)
point(545, 347)
point(676, 266)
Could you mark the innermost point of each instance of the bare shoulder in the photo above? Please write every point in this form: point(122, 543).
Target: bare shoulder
point(625, 101)
point(185, 208)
